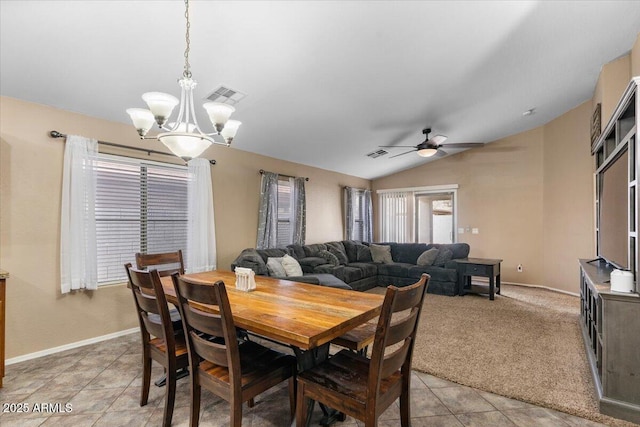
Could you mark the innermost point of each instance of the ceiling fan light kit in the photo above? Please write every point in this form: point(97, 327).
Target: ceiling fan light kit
point(427, 152)
point(184, 137)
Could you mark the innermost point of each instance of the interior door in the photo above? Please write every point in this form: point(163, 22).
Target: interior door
point(435, 217)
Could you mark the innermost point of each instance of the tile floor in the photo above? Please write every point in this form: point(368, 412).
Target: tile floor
point(99, 385)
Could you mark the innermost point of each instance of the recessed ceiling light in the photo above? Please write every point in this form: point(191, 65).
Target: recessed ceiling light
point(529, 112)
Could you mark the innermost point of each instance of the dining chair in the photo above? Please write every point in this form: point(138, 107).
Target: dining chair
point(358, 339)
point(364, 388)
point(159, 340)
point(166, 263)
point(233, 369)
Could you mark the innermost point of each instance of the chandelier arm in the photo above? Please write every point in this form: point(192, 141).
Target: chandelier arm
point(195, 119)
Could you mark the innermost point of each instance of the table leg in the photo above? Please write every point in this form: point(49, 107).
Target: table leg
point(492, 287)
point(498, 284)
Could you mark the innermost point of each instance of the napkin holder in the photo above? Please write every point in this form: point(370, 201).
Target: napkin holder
point(245, 279)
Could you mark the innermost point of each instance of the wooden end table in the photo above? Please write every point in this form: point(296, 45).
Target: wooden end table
point(480, 267)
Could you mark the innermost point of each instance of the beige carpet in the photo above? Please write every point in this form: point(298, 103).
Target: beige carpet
point(526, 344)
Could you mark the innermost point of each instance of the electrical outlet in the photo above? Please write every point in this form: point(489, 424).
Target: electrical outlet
point(519, 268)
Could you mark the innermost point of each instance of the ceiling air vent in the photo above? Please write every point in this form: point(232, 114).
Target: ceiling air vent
point(226, 95)
point(375, 154)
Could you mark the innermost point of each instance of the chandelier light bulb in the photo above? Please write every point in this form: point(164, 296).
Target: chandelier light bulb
point(161, 105)
point(218, 113)
point(229, 131)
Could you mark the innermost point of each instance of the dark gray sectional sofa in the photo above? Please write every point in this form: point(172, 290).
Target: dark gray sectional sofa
point(357, 268)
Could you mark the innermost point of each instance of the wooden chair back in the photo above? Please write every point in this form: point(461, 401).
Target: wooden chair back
point(166, 263)
point(211, 337)
point(395, 335)
point(151, 305)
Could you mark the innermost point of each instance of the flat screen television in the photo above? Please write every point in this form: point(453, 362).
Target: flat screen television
point(613, 200)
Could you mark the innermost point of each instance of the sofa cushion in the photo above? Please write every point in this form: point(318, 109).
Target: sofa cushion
point(351, 274)
point(337, 248)
point(460, 250)
point(443, 256)
point(351, 249)
point(274, 265)
point(363, 254)
point(311, 261)
point(395, 269)
point(296, 251)
point(250, 258)
point(368, 268)
point(329, 258)
point(336, 270)
point(291, 266)
point(407, 252)
point(381, 253)
point(438, 274)
point(268, 253)
point(428, 257)
point(314, 249)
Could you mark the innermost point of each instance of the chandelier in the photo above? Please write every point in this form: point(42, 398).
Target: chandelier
point(183, 136)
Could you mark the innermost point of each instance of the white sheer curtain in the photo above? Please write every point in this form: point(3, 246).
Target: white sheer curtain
point(78, 249)
point(201, 233)
point(396, 216)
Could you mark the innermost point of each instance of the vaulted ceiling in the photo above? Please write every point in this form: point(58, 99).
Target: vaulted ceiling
point(326, 81)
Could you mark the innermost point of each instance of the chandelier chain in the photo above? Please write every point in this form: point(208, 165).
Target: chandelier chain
point(187, 66)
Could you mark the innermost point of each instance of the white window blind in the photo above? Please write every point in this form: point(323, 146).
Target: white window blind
point(141, 206)
point(396, 216)
point(358, 216)
point(285, 211)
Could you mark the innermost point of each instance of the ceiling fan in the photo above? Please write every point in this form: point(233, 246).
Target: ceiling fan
point(431, 146)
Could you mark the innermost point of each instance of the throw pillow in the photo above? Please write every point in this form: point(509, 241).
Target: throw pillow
point(291, 266)
point(342, 257)
point(444, 255)
point(381, 253)
point(363, 254)
point(329, 257)
point(428, 257)
point(274, 265)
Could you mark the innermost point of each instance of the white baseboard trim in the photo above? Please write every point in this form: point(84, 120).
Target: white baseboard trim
point(527, 285)
point(70, 346)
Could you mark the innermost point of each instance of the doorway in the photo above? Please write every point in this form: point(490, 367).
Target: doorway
point(435, 213)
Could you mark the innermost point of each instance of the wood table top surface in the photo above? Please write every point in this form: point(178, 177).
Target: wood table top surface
point(298, 314)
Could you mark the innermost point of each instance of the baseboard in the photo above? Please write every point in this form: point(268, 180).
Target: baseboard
point(70, 346)
point(526, 285)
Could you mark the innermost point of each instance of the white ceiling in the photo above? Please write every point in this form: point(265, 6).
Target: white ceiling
point(326, 81)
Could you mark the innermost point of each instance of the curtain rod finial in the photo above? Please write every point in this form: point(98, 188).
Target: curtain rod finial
point(56, 134)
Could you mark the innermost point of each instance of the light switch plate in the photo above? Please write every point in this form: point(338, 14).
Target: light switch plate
point(475, 231)
point(460, 230)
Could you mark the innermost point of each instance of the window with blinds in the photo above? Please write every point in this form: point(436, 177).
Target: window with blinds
point(141, 206)
point(285, 211)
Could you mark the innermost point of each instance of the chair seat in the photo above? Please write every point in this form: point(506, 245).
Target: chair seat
point(346, 373)
point(161, 345)
point(358, 338)
point(256, 363)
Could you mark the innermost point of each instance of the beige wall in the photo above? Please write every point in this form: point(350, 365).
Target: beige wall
point(38, 316)
point(568, 191)
point(635, 58)
point(500, 193)
point(613, 80)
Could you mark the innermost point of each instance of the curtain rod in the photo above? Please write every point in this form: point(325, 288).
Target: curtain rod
point(56, 134)
point(262, 171)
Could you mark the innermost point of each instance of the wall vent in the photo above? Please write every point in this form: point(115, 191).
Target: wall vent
point(376, 154)
point(226, 95)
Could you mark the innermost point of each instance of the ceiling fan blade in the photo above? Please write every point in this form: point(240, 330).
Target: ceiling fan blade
point(402, 154)
point(464, 145)
point(398, 146)
point(438, 139)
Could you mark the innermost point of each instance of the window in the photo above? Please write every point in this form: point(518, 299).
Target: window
point(424, 215)
point(141, 206)
point(285, 212)
point(357, 219)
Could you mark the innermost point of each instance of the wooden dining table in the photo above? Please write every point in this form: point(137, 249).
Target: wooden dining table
point(301, 315)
